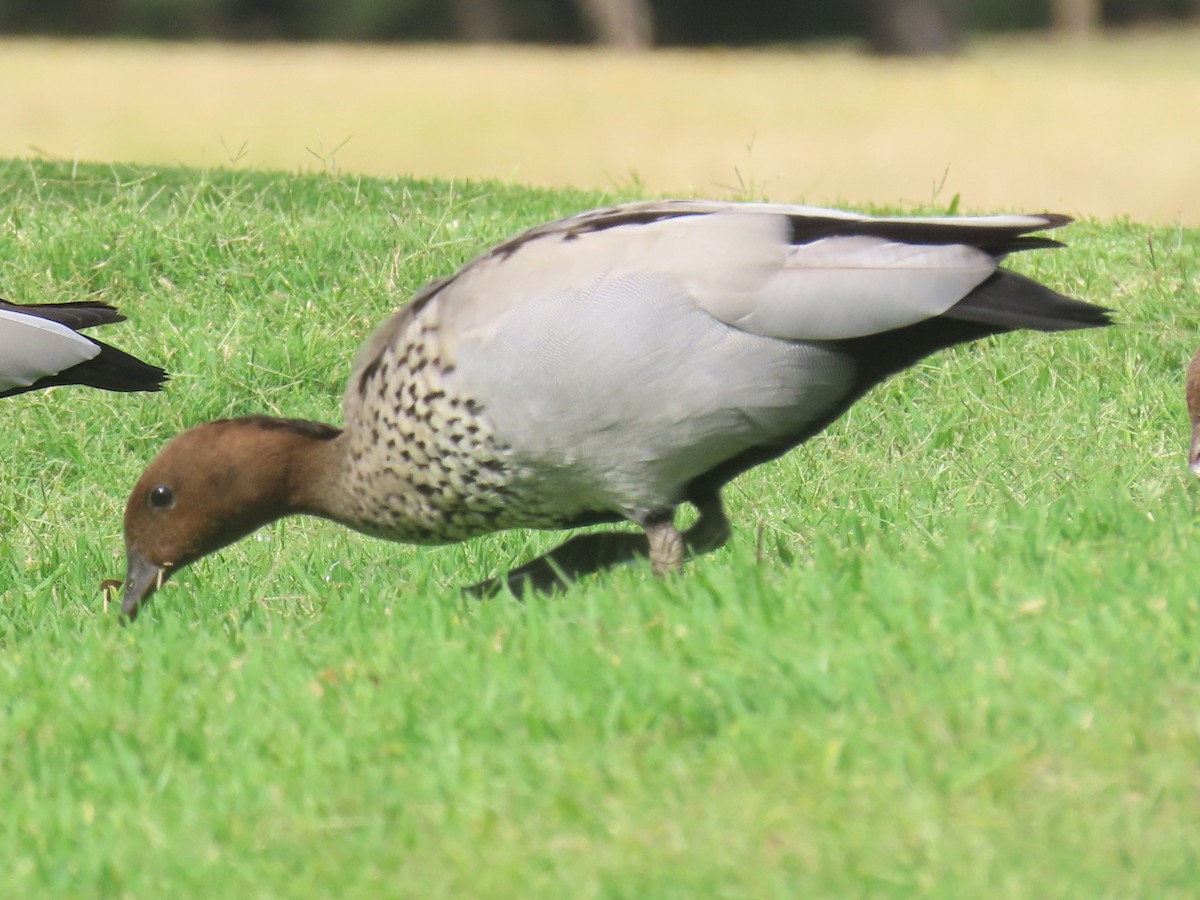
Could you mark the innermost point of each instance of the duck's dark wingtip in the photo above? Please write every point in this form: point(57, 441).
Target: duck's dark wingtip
point(112, 370)
point(74, 314)
point(1053, 220)
point(129, 375)
point(156, 382)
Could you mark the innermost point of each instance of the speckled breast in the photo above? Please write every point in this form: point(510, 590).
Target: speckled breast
point(425, 465)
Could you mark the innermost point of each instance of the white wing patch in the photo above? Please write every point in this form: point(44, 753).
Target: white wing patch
point(32, 347)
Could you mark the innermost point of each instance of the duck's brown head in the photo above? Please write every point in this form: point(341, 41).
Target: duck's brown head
point(209, 487)
point(1193, 401)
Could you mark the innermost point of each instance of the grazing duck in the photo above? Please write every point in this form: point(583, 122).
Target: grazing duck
point(40, 346)
point(1193, 402)
point(609, 366)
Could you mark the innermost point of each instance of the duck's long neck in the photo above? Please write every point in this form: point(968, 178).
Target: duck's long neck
point(315, 476)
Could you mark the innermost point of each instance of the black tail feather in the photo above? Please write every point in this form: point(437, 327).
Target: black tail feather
point(116, 370)
point(1004, 302)
point(1009, 301)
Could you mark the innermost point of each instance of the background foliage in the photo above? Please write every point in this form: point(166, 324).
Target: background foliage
point(677, 22)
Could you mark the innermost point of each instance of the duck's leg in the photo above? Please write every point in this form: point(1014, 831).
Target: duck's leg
point(587, 553)
point(711, 530)
point(666, 544)
point(669, 547)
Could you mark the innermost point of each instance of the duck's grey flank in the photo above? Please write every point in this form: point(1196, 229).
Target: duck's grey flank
point(615, 394)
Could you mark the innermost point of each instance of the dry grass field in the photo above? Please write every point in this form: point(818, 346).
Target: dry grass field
point(1104, 129)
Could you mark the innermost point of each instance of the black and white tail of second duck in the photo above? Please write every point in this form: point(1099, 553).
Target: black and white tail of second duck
point(40, 347)
point(611, 365)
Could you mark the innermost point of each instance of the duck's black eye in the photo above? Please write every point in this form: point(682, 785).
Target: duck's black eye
point(162, 497)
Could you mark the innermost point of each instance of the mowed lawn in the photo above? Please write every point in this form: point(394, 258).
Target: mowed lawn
point(1102, 129)
point(950, 650)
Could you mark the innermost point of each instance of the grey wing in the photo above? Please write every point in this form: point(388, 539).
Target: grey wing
point(791, 272)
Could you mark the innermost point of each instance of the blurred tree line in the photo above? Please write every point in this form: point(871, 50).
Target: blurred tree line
point(903, 26)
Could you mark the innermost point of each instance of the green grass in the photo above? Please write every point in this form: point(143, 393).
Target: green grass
point(951, 649)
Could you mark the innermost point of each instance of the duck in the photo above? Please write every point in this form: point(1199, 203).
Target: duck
point(609, 366)
point(1193, 402)
point(40, 346)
